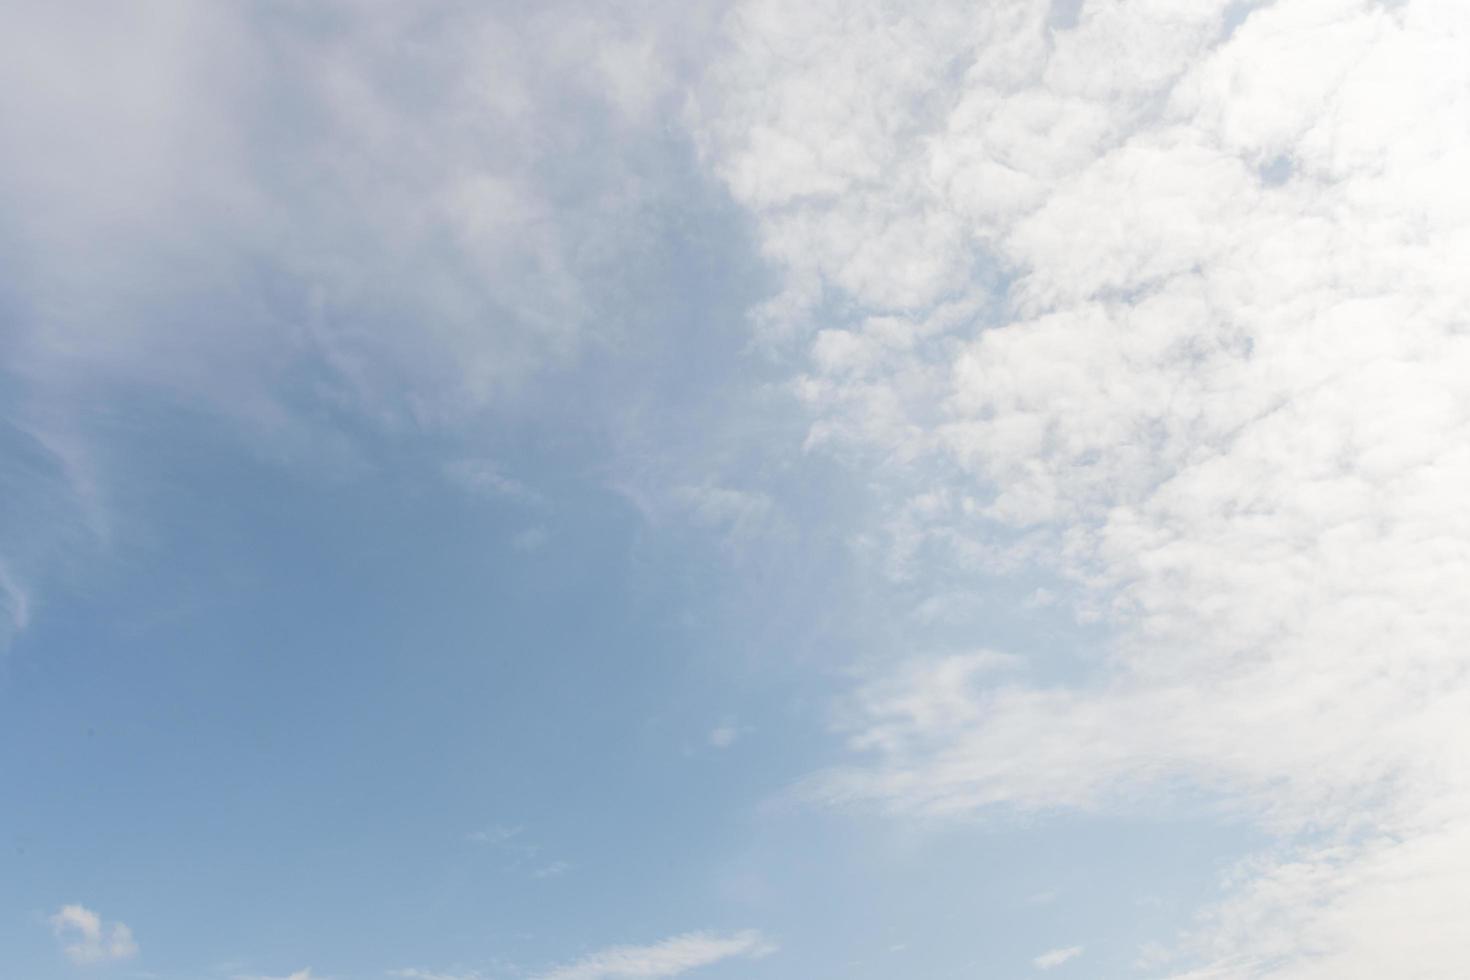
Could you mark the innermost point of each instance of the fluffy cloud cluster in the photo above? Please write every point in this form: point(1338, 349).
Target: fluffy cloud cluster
point(86, 940)
point(1169, 299)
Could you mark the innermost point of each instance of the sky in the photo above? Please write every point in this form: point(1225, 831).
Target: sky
point(624, 490)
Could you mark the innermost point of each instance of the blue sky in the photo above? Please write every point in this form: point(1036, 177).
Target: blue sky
point(718, 489)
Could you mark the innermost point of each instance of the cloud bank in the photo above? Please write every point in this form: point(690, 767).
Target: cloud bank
point(1167, 301)
point(1164, 301)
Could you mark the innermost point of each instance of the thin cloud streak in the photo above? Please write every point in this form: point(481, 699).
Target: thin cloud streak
point(670, 958)
point(1054, 958)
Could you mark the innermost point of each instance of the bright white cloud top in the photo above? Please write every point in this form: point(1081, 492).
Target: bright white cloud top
point(1138, 320)
point(1219, 386)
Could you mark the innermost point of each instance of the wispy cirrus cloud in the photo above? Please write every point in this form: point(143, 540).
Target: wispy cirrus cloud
point(15, 606)
point(253, 216)
point(495, 834)
point(1054, 958)
point(414, 973)
point(669, 958)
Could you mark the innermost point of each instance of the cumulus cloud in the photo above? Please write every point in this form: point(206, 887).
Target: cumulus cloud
point(670, 958)
point(1163, 300)
point(1167, 300)
point(86, 939)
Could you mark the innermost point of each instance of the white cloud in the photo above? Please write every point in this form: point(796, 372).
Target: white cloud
point(739, 516)
point(485, 478)
point(553, 870)
point(1053, 958)
point(1169, 303)
point(15, 606)
point(494, 834)
point(523, 855)
point(86, 939)
point(435, 256)
point(1163, 299)
point(723, 736)
point(670, 958)
point(298, 975)
point(530, 540)
point(290, 220)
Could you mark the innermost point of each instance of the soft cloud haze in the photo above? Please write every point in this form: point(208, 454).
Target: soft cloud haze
point(483, 483)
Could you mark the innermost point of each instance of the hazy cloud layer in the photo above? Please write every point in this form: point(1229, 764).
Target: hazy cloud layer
point(310, 223)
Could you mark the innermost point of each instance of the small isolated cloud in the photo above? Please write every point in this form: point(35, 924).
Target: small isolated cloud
point(529, 540)
point(1053, 958)
point(298, 975)
point(523, 855)
point(669, 958)
point(15, 605)
point(740, 516)
point(484, 478)
point(87, 939)
point(724, 736)
point(496, 834)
